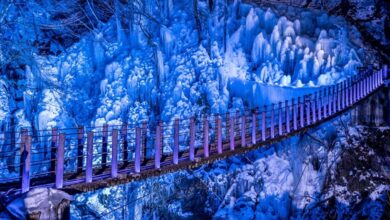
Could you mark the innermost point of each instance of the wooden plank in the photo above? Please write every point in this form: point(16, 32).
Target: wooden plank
point(206, 137)
point(334, 99)
point(53, 146)
point(114, 154)
point(280, 127)
point(192, 138)
point(254, 126)
point(137, 160)
point(287, 117)
point(301, 116)
point(219, 135)
point(231, 133)
point(124, 143)
point(307, 104)
point(313, 107)
point(318, 101)
point(176, 142)
point(60, 162)
point(26, 157)
point(295, 114)
point(263, 123)
point(88, 165)
point(243, 129)
point(272, 124)
point(157, 147)
point(144, 141)
point(104, 146)
point(80, 148)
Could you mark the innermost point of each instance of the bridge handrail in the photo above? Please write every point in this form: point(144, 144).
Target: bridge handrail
point(135, 143)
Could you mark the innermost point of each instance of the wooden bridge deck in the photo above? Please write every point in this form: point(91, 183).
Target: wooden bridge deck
point(344, 97)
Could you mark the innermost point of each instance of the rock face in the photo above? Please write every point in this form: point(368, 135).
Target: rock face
point(371, 17)
point(40, 203)
point(375, 111)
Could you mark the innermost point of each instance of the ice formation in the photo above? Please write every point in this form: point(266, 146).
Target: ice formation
point(174, 69)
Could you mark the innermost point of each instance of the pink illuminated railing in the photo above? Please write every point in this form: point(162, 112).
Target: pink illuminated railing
point(92, 154)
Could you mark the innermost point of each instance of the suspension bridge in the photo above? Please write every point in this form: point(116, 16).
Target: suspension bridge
point(88, 158)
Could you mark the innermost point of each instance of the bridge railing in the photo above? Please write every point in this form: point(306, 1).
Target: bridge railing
point(86, 153)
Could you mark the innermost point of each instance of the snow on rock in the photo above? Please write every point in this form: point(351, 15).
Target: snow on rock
point(44, 202)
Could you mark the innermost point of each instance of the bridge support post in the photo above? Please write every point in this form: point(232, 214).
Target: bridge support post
point(376, 79)
point(347, 86)
point(243, 129)
point(358, 90)
point(301, 112)
point(313, 107)
point(325, 100)
point(157, 146)
point(273, 121)
point(176, 142)
point(384, 71)
point(144, 140)
point(88, 165)
point(295, 114)
point(329, 99)
point(60, 162)
point(26, 159)
point(318, 101)
point(334, 91)
point(53, 147)
point(307, 104)
point(355, 91)
point(343, 95)
point(373, 82)
point(192, 139)
point(254, 126)
point(237, 121)
point(124, 143)
point(280, 120)
point(114, 154)
point(351, 91)
point(330, 102)
point(80, 148)
point(137, 159)
point(339, 94)
point(206, 137)
point(23, 137)
point(369, 78)
point(263, 123)
point(287, 117)
point(104, 146)
point(227, 121)
point(219, 135)
point(372, 77)
point(365, 86)
point(231, 133)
